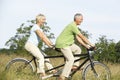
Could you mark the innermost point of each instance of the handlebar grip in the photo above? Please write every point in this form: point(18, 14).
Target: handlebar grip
point(58, 49)
point(91, 49)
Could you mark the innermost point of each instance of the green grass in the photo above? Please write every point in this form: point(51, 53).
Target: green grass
point(4, 58)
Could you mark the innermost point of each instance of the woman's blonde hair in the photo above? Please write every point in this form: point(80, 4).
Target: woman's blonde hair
point(38, 17)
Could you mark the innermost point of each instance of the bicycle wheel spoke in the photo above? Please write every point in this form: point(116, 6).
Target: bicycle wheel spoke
point(92, 76)
point(101, 72)
point(20, 70)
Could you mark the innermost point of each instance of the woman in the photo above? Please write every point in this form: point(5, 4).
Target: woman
point(31, 45)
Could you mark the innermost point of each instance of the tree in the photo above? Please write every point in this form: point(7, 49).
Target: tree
point(16, 43)
point(106, 51)
point(117, 49)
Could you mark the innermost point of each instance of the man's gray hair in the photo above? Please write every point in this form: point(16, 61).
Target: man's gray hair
point(77, 14)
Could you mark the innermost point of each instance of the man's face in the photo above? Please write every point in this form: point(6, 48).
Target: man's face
point(78, 20)
point(42, 20)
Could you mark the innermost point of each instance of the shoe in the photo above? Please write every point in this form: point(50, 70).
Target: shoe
point(61, 78)
point(45, 77)
point(58, 72)
point(42, 74)
point(54, 71)
point(74, 68)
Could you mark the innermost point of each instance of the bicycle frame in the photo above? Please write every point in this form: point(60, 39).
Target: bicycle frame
point(87, 56)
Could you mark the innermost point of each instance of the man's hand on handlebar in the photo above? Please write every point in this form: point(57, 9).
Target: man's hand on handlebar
point(91, 47)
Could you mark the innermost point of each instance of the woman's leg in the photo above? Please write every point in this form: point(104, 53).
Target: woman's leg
point(34, 50)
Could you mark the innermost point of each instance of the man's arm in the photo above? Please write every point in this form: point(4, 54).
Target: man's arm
point(84, 39)
point(81, 42)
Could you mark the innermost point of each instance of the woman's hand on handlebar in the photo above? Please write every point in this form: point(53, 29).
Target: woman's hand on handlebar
point(57, 49)
point(52, 47)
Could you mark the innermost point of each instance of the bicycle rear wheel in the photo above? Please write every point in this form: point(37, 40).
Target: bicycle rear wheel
point(102, 72)
point(20, 69)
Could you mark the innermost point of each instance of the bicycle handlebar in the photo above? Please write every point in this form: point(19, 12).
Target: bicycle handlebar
point(91, 49)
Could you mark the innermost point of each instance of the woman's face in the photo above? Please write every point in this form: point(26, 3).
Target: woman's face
point(42, 20)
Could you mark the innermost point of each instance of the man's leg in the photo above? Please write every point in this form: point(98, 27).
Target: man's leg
point(69, 61)
point(76, 50)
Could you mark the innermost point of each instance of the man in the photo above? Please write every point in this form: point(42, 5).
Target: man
point(65, 42)
point(36, 34)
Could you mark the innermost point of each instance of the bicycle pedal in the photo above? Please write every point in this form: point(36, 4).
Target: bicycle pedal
point(45, 77)
point(58, 73)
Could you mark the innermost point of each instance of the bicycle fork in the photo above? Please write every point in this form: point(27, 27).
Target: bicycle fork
point(93, 69)
point(92, 66)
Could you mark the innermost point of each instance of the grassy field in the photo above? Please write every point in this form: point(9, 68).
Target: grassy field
point(5, 58)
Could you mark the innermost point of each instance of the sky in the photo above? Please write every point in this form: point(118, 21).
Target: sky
point(101, 17)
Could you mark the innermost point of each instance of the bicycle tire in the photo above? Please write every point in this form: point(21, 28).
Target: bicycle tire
point(20, 68)
point(103, 72)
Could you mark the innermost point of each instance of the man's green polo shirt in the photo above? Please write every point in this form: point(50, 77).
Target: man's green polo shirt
point(66, 38)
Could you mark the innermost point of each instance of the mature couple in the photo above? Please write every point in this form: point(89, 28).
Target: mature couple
point(65, 42)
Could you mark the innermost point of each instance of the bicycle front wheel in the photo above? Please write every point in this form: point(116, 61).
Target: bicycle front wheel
point(20, 69)
point(100, 72)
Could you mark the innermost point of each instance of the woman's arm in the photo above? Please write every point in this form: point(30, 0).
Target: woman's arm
point(44, 38)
